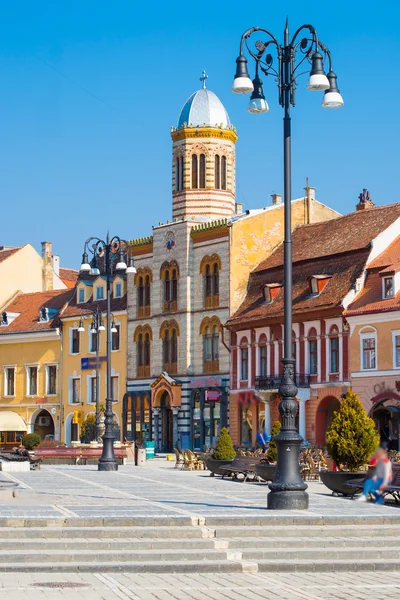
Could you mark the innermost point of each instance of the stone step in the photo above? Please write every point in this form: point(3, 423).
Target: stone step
point(104, 532)
point(188, 566)
point(303, 520)
point(119, 556)
point(321, 565)
point(104, 522)
point(331, 553)
point(282, 531)
point(312, 542)
point(121, 544)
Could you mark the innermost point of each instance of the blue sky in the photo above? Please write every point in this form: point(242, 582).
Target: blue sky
point(89, 91)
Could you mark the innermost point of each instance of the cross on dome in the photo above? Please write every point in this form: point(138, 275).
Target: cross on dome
point(204, 78)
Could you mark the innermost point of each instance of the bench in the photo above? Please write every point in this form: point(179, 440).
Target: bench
point(242, 465)
point(390, 490)
point(21, 456)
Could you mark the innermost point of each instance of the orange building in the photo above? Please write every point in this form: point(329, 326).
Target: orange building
point(330, 260)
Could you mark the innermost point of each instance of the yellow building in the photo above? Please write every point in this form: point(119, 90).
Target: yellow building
point(81, 380)
point(30, 346)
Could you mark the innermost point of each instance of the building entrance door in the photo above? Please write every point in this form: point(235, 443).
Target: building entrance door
point(167, 435)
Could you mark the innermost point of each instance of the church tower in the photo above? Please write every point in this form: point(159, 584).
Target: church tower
point(203, 166)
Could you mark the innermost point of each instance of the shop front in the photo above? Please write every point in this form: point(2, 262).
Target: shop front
point(12, 429)
point(137, 417)
point(209, 411)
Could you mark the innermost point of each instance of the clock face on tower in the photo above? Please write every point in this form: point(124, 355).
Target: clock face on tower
point(170, 240)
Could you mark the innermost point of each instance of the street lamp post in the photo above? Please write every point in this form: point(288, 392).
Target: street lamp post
point(288, 491)
point(109, 251)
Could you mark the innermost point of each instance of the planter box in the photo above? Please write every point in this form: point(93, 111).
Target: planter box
point(336, 481)
point(214, 466)
point(266, 472)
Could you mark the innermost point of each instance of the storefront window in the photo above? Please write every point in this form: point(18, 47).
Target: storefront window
point(196, 422)
point(246, 424)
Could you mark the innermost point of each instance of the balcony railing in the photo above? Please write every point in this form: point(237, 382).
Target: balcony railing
point(273, 383)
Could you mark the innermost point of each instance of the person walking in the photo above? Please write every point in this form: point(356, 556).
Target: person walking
point(381, 478)
point(262, 440)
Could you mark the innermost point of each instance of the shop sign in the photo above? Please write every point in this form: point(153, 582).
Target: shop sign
point(91, 362)
point(205, 382)
point(212, 396)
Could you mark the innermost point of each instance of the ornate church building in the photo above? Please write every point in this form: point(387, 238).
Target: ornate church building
point(192, 274)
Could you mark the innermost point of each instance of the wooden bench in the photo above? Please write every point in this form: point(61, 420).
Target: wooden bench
point(242, 465)
point(22, 456)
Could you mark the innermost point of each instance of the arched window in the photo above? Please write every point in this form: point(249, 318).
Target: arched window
point(177, 174)
point(210, 267)
point(169, 273)
point(143, 281)
point(143, 337)
point(202, 171)
point(209, 329)
point(244, 364)
point(181, 173)
point(334, 349)
point(217, 172)
point(195, 176)
point(313, 351)
point(223, 172)
point(263, 357)
point(169, 333)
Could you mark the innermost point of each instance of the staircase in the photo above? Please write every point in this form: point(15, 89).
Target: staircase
point(165, 545)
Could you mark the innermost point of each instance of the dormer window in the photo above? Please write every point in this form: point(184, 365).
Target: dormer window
point(318, 283)
point(388, 287)
point(99, 292)
point(7, 318)
point(44, 315)
point(81, 295)
point(4, 318)
point(270, 291)
point(118, 290)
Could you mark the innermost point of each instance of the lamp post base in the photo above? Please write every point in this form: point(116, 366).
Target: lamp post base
point(287, 500)
point(106, 465)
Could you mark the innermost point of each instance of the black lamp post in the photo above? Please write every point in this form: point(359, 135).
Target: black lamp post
point(288, 491)
point(96, 327)
point(109, 251)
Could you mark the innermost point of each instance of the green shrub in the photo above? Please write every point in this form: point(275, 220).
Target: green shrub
point(272, 452)
point(88, 429)
point(31, 440)
point(351, 438)
point(224, 449)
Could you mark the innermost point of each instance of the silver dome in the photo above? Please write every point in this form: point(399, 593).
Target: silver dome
point(204, 108)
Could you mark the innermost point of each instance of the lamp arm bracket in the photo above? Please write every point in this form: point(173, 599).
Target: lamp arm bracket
point(311, 29)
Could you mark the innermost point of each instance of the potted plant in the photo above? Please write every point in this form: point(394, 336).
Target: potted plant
point(31, 440)
point(223, 454)
point(265, 469)
point(351, 440)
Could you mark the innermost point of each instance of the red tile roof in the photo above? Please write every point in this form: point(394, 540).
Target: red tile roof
point(370, 300)
point(69, 277)
point(75, 310)
point(29, 305)
point(344, 234)
point(4, 254)
point(338, 247)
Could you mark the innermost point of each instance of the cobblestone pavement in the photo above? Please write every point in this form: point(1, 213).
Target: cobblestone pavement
point(159, 490)
point(302, 586)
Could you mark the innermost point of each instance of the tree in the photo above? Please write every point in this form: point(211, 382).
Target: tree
point(272, 452)
point(31, 440)
point(88, 429)
point(224, 449)
point(351, 438)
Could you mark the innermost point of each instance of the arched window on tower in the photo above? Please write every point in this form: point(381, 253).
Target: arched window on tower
point(177, 174)
point(195, 167)
point(202, 171)
point(169, 274)
point(209, 330)
point(210, 267)
point(139, 349)
point(181, 172)
point(169, 334)
point(143, 279)
point(142, 337)
point(223, 172)
point(217, 172)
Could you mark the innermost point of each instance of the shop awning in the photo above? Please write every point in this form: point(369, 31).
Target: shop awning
point(11, 421)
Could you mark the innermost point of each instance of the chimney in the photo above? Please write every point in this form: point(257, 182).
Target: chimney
point(309, 196)
point(47, 267)
point(364, 201)
point(276, 199)
point(238, 208)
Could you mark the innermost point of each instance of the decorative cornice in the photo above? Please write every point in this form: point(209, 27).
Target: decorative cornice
point(141, 241)
point(204, 132)
point(217, 224)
